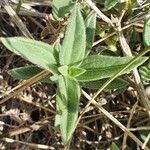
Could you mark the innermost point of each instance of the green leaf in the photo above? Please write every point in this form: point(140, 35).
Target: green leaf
point(57, 117)
point(74, 71)
point(110, 3)
point(57, 48)
point(118, 83)
point(114, 146)
point(90, 24)
point(143, 135)
point(146, 33)
point(37, 52)
point(73, 46)
point(101, 2)
point(98, 67)
point(145, 72)
point(24, 73)
point(67, 98)
point(20, 2)
point(63, 70)
point(61, 7)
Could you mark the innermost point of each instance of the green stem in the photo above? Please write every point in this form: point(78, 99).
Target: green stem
point(19, 6)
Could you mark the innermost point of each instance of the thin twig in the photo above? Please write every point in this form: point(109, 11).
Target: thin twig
point(140, 128)
point(113, 119)
point(142, 6)
point(24, 12)
point(34, 127)
point(100, 14)
point(36, 146)
point(139, 17)
point(36, 104)
point(92, 100)
point(16, 90)
point(128, 125)
point(127, 52)
point(35, 3)
point(129, 24)
point(113, 33)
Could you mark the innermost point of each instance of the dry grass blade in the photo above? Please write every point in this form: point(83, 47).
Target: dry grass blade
point(38, 105)
point(100, 14)
point(13, 92)
point(113, 119)
point(128, 125)
point(36, 146)
point(39, 2)
point(17, 20)
point(25, 12)
point(92, 100)
point(111, 34)
point(34, 127)
point(127, 52)
point(140, 128)
point(129, 24)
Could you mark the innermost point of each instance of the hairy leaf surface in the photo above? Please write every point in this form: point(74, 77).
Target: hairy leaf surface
point(37, 52)
point(145, 72)
point(110, 3)
point(118, 83)
point(73, 46)
point(61, 7)
point(99, 67)
point(146, 33)
point(68, 94)
point(24, 73)
point(90, 24)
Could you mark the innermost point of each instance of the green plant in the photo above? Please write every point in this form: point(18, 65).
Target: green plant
point(114, 146)
point(20, 2)
point(145, 70)
point(70, 66)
